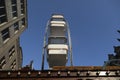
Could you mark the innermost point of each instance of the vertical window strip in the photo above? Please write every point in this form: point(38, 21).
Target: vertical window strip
point(2, 62)
point(12, 52)
point(3, 16)
point(13, 65)
point(5, 34)
point(16, 26)
point(14, 7)
point(22, 6)
point(23, 22)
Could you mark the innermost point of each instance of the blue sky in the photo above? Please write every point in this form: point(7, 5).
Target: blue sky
point(93, 25)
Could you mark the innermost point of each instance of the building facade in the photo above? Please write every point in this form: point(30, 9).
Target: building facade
point(13, 21)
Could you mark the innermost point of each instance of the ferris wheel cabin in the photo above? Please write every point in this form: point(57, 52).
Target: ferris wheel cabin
point(57, 48)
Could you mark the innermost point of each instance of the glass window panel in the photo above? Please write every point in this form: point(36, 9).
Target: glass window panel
point(11, 52)
point(16, 26)
point(57, 40)
point(13, 65)
point(2, 62)
point(13, 1)
point(22, 6)
point(5, 34)
point(3, 17)
point(23, 21)
point(57, 19)
point(14, 8)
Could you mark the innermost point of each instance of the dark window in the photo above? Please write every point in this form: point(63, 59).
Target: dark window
point(2, 62)
point(14, 8)
point(3, 17)
point(57, 19)
point(13, 65)
point(11, 52)
point(22, 7)
point(23, 21)
point(13, 1)
point(57, 40)
point(5, 34)
point(22, 1)
point(16, 26)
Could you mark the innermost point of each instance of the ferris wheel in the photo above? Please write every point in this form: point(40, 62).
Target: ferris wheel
point(57, 42)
